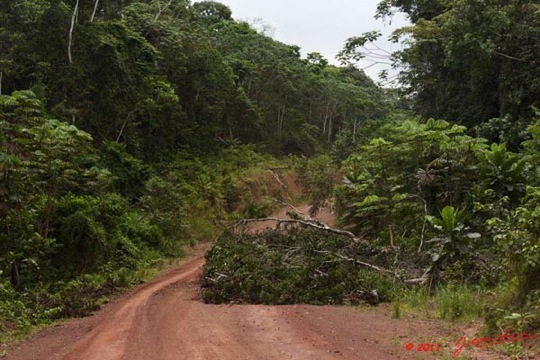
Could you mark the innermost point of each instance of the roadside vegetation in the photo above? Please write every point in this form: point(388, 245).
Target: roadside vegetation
point(448, 249)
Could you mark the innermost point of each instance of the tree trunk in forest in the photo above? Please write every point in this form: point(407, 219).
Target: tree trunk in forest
point(329, 129)
point(391, 232)
point(326, 117)
point(281, 116)
point(72, 27)
point(96, 3)
point(14, 274)
point(354, 131)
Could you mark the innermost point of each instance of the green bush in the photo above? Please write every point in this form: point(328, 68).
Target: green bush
point(12, 309)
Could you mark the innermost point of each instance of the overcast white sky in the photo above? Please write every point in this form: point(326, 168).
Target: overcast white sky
point(321, 26)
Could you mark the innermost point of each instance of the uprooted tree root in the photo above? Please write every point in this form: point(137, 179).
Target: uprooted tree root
point(298, 262)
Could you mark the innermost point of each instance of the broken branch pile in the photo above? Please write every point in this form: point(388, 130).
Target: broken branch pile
point(307, 263)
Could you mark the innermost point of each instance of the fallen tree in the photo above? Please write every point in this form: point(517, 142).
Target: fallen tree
point(305, 263)
point(306, 221)
point(309, 223)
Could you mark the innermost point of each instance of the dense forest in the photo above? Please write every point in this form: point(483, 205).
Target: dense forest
point(129, 127)
point(126, 128)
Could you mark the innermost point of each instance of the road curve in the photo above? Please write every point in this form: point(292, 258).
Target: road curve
point(165, 320)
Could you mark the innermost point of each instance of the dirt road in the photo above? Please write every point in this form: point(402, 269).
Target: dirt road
point(165, 319)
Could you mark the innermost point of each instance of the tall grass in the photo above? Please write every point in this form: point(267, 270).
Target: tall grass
point(449, 302)
point(458, 302)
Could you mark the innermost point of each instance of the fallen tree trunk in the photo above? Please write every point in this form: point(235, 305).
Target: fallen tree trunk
point(313, 224)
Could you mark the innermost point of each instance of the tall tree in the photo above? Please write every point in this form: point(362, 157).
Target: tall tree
point(468, 61)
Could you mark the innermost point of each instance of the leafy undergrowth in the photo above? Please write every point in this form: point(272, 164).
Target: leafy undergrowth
point(24, 312)
point(294, 266)
point(66, 255)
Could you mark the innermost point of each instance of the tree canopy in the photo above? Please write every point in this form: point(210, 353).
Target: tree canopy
point(466, 61)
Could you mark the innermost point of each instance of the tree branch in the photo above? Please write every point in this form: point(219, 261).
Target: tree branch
point(318, 226)
point(124, 125)
point(162, 10)
point(371, 266)
point(421, 280)
point(509, 57)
